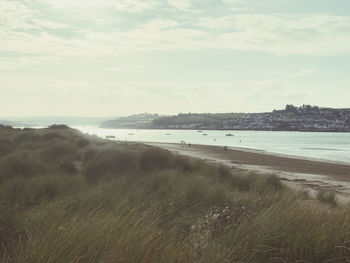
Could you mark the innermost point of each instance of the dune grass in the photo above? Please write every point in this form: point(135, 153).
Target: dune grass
point(328, 197)
point(66, 197)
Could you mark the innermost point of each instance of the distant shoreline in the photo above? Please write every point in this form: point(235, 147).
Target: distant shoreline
point(184, 129)
point(305, 118)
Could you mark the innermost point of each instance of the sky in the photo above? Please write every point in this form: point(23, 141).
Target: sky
point(122, 57)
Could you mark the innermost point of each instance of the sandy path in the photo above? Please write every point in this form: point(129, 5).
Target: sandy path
point(297, 172)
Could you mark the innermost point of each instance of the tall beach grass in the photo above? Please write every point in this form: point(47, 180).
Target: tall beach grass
point(67, 197)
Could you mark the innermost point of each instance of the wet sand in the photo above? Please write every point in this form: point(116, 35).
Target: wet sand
point(297, 171)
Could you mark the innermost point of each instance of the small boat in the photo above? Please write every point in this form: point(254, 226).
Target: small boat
point(167, 134)
point(229, 134)
point(204, 134)
point(110, 137)
point(199, 131)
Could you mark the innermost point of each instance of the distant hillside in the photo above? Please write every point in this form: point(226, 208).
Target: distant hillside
point(196, 120)
point(144, 121)
point(292, 118)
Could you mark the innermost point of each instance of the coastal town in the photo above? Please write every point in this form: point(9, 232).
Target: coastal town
point(304, 118)
point(292, 118)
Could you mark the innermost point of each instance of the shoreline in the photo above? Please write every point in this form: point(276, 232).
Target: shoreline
point(251, 150)
point(302, 173)
point(233, 130)
point(278, 162)
point(320, 148)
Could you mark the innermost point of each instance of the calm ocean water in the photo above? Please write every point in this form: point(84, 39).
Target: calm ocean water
point(327, 146)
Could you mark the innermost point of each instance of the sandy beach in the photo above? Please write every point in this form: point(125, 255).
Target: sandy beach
point(296, 171)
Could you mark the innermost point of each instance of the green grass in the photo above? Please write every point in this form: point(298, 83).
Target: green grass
point(66, 197)
point(328, 197)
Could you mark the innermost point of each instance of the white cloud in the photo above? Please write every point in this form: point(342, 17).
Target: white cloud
point(305, 72)
point(186, 5)
point(160, 24)
point(106, 42)
point(77, 3)
point(23, 31)
point(10, 63)
point(25, 36)
point(125, 68)
point(133, 6)
point(156, 35)
point(230, 2)
point(41, 44)
point(15, 15)
point(282, 34)
point(277, 34)
point(41, 23)
point(236, 5)
point(219, 23)
point(181, 5)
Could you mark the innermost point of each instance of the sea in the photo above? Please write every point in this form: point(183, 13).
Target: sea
point(330, 146)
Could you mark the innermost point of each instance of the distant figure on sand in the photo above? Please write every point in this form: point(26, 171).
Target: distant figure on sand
point(225, 148)
point(189, 145)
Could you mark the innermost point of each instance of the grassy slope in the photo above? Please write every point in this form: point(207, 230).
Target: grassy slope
point(65, 197)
